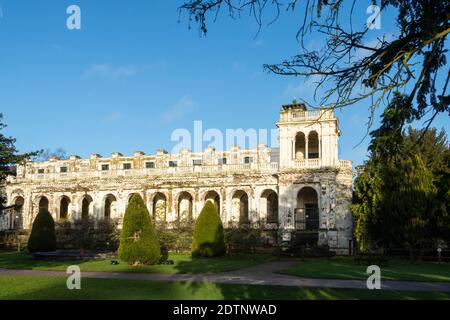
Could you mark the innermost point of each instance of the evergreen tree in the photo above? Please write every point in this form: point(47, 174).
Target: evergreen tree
point(209, 240)
point(139, 243)
point(42, 237)
point(401, 194)
point(9, 157)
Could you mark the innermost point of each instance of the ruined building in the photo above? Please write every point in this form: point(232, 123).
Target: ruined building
point(302, 187)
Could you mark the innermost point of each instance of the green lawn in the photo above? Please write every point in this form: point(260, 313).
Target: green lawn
point(395, 269)
point(183, 264)
point(46, 288)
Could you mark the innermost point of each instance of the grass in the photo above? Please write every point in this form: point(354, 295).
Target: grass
point(335, 268)
point(183, 264)
point(46, 288)
point(395, 269)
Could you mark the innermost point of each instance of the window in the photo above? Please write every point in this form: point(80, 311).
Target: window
point(173, 164)
point(150, 165)
point(63, 169)
point(197, 162)
point(248, 160)
point(223, 161)
point(41, 171)
point(126, 166)
point(105, 167)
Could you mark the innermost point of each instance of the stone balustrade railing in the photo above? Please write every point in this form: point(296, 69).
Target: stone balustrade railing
point(269, 168)
point(306, 115)
point(317, 163)
point(345, 164)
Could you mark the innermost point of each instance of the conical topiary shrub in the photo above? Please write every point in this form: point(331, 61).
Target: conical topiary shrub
point(42, 237)
point(139, 243)
point(208, 234)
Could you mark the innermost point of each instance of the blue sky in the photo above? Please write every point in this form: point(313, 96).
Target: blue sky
point(134, 73)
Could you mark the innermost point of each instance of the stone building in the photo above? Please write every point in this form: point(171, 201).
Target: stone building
point(301, 187)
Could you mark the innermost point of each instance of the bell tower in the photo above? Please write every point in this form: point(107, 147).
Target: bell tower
point(308, 138)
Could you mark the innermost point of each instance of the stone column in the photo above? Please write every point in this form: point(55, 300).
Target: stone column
point(224, 207)
point(286, 209)
point(306, 147)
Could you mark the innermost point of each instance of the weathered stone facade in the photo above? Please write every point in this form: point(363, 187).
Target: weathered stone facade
point(300, 187)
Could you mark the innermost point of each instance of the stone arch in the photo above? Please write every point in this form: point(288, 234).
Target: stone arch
point(185, 204)
point(132, 194)
point(307, 211)
point(110, 207)
point(87, 207)
point(17, 213)
point(313, 145)
point(300, 146)
point(159, 207)
point(64, 208)
point(269, 205)
point(240, 206)
point(15, 194)
point(43, 203)
point(214, 197)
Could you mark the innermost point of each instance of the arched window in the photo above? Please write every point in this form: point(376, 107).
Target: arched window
point(300, 146)
point(17, 219)
point(87, 207)
point(269, 206)
point(159, 207)
point(313, 145)
point(185, 206)
point(64, 208)
point(110, 207)
point(43, 203)
point(214, 197)
point(240, 206)
point(131, 195)
point(307, 212)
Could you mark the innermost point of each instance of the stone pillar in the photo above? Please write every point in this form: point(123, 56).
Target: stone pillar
point(286, 209)
point(224, 207)
point(151, 206)
point(28, 211)
point(171, 210)
point(196, 205)
point(320, 147)
point(306, 147)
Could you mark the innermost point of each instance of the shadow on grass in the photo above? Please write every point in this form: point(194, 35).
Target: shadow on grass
point(347, 268)
point(44, 288)
point(220, 264)
point(184, 264)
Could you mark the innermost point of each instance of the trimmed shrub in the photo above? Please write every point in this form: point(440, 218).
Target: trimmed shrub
point(139, 243)
point(42, 237)
point(208, 234)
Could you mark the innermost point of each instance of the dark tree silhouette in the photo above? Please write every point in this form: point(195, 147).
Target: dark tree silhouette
point(413, 61)
point(9, 157)
point(45, 155)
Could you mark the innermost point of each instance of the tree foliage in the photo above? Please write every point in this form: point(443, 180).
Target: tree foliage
point(139, 243)
point(401, 193)
point(352, 65)
point(42, 237)
point(208, 233)
point(45, 155)
point(9, 157)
